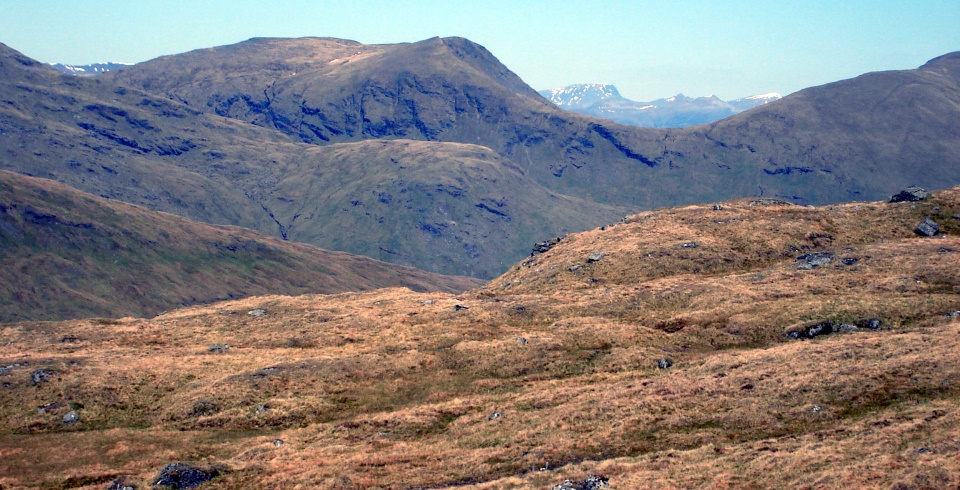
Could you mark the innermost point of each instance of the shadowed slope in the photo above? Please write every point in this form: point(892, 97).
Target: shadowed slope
point(68, 254)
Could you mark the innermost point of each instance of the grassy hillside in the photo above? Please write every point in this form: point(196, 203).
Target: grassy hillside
point(658, 364)
point(68, 254)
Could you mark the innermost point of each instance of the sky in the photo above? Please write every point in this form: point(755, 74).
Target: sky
point(648, 49)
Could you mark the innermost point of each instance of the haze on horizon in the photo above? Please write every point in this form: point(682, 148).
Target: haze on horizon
point(649, 50)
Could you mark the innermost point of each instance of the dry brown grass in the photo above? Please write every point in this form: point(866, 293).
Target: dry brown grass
point(395, 389)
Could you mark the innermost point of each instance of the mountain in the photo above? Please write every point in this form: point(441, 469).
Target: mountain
point(91, 69)
point(604, 101)
point(69, 254)
point(325, 91)
point(217, 135)
point(452, 208)
point(759, 345)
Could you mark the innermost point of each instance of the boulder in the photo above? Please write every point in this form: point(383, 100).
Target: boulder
point(591, 482)
point(186, 475)
point(71, 417)
point(912, 193)
point(257, 312)
point(927, 227)
point(811, 330)
point(595, 257)
point(688, 245)
point(541, 247)
point(219, 348)
point(664, 363)
point(871, 323)
point(204, 408)
point(814, 260)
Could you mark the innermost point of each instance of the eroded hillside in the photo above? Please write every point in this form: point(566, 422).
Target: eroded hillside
point(760, 344)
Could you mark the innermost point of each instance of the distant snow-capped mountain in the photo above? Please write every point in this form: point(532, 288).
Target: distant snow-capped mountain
point(91, 69)
point(604, 100)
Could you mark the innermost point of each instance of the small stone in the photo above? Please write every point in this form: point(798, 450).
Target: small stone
point(927, 227)
point(39, 376)
point(912, 193)
point(816, 409)
point(521, 340)
point(495, 416)
point(427, 301)
point(71, 417)
point(575, 268)
point(261, 409)
point(689, 245)
point(257, 312)
point(122, 483)
point(595, 257)
point(717, 207)
point(278, 442)
point(664, 363)
point(460, 307)
point(48, 407)
point(219, 348)
point(849, 260)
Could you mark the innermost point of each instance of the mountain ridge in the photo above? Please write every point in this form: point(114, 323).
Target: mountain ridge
point(604, 101)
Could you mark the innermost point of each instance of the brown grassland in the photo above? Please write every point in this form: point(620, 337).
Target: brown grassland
point(548, 373)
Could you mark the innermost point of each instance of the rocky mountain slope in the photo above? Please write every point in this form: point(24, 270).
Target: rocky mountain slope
point(751, 344)
point(862, 138)
point(445, 207)
point(604, 101)
point(69, 254)
point(183, 142)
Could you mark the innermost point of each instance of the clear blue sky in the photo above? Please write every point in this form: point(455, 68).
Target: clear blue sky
point(648, 49)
